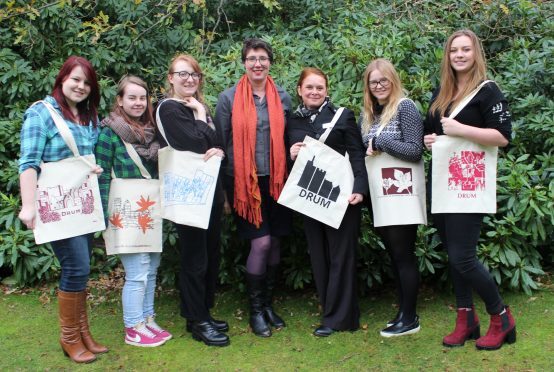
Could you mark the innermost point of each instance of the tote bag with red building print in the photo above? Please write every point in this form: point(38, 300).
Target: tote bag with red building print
point(464, 172)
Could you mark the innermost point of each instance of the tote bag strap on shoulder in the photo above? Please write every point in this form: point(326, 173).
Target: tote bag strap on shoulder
point(463, 103)
point(64, 131)
point(136, 159)
point(325, 134)
point(159, 121)
point(383, 126)
point(60, 123)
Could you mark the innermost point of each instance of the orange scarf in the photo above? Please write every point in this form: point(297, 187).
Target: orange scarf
point(244, 120)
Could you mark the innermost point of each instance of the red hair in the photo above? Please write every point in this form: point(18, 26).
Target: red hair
point(88, 109)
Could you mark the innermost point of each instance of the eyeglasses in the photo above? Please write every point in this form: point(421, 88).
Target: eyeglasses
point(252, 60)
point(185, 75)
point(383, 81)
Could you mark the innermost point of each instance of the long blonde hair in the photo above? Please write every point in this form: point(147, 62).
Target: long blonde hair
point(146, 119)
point(195, 66)
point(449, 83)
point(387, 69)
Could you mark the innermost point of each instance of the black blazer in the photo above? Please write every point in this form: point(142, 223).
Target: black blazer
point(345, 137)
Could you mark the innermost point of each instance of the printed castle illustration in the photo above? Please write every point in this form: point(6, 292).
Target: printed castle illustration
point(56, 202)
point(184, 190)
point(467, 171)
point(313, 180)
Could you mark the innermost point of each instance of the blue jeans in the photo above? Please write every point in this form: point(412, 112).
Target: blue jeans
point(74, 256)
point(140, 285)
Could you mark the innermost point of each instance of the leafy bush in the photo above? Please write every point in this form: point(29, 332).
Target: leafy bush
point(140, 37)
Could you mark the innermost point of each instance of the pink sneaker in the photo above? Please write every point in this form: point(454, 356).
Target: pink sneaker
point(140, 335)
point(156, 329)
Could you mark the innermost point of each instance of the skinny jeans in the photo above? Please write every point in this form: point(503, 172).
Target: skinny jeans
point(459, 233)
point(140, 286)
point(74, 256)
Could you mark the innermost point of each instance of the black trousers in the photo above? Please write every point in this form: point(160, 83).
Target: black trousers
point(459, 233)
point(333, 257)
point(199, 258)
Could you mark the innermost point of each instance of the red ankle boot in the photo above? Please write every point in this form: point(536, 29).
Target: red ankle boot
point(502, 329)
point(467, 327)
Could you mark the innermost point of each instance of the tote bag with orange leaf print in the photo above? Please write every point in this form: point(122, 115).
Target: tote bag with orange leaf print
point(134, 213)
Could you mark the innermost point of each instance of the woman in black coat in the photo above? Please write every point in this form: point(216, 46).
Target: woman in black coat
point(332, 251)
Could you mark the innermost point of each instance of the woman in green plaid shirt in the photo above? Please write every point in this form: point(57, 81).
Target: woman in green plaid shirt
point(131, 121)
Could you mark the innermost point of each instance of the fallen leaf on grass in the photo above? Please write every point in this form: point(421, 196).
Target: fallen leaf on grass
point(44, 299)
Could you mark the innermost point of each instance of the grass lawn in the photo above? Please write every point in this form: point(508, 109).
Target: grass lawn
point(29, 337)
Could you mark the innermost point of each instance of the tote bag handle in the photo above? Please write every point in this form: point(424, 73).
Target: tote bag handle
point(65, 132)
point(463, 103)
point(325, 134)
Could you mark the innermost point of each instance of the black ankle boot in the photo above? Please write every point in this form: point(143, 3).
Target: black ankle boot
point(205, 331)
point(271, 316)
point(255, 285)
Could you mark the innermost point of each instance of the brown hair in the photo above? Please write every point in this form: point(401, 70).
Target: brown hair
point(449, 83)
point(146, 119)
point(195, 66)
point(387, 69)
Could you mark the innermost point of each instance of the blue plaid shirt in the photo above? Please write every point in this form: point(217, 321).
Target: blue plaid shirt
point(41, 141)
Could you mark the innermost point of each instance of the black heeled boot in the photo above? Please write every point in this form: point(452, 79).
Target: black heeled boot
point(271, 316)
point(255, 285)
point(203, 330)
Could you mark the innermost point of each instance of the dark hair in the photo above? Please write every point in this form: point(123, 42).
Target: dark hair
point(255, 43)
point(88, 109)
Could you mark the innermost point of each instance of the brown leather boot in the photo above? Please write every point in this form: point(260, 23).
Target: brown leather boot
point(70, 339)
point(88, 341)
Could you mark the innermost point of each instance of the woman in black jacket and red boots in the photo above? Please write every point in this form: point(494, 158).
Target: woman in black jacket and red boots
point(332, 251)
point(484, 120)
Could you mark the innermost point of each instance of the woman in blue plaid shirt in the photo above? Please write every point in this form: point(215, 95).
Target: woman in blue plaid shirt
point(131, 121)
point(75, 96)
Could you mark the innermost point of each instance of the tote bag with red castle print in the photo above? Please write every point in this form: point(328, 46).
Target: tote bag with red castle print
point(134, 212)
point(67, 198)
point(464, 172)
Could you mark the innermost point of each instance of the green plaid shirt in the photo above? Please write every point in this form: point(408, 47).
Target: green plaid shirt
point(112, 154)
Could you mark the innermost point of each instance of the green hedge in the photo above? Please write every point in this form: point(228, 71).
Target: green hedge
point(140, 37)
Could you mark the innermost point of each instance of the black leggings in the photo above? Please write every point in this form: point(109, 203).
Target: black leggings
point(400, 243)
point(459, 234)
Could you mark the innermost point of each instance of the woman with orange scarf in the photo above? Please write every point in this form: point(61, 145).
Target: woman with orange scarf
point(250, 118)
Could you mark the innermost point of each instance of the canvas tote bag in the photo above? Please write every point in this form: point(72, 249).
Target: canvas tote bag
point(397, 190)
point(464, 172)
point(187, 183)
point(134, 212)
point(68, 198)
point(320, 181)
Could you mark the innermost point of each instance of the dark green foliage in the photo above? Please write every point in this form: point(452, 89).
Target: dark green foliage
point(340, 37)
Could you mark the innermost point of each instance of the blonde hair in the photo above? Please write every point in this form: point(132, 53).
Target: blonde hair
point(195, 66)
point(146, 119)
point(448, 84)
point(387, 69)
